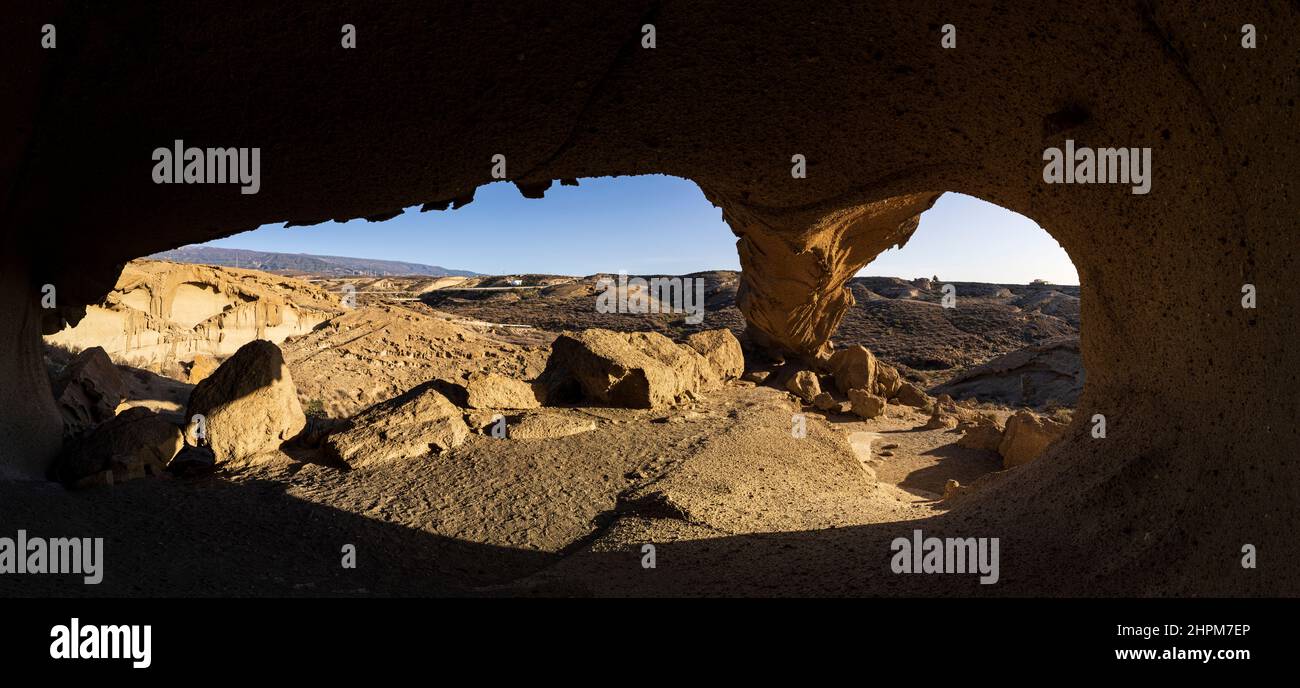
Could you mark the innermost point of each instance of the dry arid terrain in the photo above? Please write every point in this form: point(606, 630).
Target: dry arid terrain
point(501, 436)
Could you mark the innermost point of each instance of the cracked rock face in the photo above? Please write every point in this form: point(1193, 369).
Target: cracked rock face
point(163, 311)
point(886, 119)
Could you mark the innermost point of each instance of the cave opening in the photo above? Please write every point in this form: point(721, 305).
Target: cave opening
point(368, 312)
point(980, 303)
point(976, 313)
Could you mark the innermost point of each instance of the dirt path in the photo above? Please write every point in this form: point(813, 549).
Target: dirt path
point(900, 451)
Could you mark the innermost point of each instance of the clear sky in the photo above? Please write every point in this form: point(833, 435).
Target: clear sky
point(655, 224)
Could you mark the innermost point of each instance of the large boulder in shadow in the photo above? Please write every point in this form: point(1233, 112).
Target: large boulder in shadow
point(134, 444)
point(89, 390)
point(626, 369)
point(250, 405)
point(1041, 375)
point(1026, 437)
point(414, 424)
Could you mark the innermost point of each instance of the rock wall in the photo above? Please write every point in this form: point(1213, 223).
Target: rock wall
point(1199, 393)
point(165, 312)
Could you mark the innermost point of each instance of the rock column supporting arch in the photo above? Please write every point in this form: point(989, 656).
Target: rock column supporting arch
point(795, 264)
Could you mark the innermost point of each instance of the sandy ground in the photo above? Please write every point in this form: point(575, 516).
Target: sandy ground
point(502, 516)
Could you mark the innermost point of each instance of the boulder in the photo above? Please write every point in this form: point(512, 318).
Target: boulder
point(496, 391)
point(134, 444)
point(1027, 436)
point(757, 377)
point(909, 394)
point(853, 368)
point(481, 421)
point(953, 490)
point(626, 369)
point(866, 404)
point(722, 350)
point(249, 405)
point(411, 425)
point(942, 418)
point(89, 390)
point(804, 384)
point(192, 461)
point(825, 402)
point(985, 433)
point(888, 381)
point(1040, 376)
point(547, 425)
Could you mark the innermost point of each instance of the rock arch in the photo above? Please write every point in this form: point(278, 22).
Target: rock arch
point(1199, 393)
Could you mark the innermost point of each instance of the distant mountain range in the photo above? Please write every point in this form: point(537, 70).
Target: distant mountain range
point(332, 266)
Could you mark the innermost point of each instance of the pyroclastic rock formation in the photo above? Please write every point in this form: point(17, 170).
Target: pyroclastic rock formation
point(164, 312)
point(887, 120)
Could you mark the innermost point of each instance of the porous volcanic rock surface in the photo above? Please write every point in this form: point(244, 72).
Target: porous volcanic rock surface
point(887, 119)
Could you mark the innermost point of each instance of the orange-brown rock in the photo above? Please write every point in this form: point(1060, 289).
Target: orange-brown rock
point(161, 312)
point(89, 390)
point(866, 404)
point(629, 369)
point(200, 368)
point(249, 405)
point(805, 385)
point(887, 120)
point(1026, 437)
point(983, 433)
point(412, 425)
point(134, 444)
point(909, 394)
point(496, 391)
point(888, 381)
point(722, 349)
point(853, 367)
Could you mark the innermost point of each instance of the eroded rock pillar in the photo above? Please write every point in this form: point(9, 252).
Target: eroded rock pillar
point(795, 265)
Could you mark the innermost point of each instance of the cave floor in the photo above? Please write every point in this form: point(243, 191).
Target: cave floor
point(563, 516)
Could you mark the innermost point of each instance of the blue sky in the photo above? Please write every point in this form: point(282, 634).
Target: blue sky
point(655, 224)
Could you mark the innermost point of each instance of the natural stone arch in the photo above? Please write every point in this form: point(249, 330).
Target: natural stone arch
point(728, 95)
